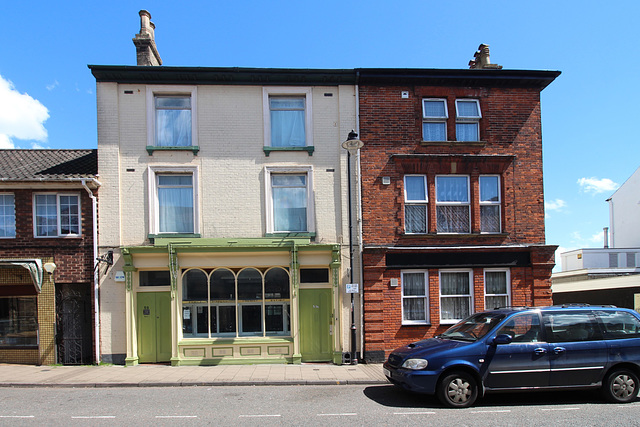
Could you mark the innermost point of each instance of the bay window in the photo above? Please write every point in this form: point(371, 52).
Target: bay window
point(490, 221)
point(453, 214)
point(415, 206)
point(497, 288)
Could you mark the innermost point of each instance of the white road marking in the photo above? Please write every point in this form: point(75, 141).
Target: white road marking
point(414, 413)
point(338, 415)
point(560, 409)
point(258, 416)
point(497, 411)
point(17, 416)
point(176, 416)
point(92, 417)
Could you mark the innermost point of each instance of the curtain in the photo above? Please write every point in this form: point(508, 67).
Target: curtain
point(434, 131)
point(454, 283)
point(459, 306)
point(454, 308)
point(434, 108)
point(489, 189)
point(173, 121)
point(453, 219)
point(467, 108)
point(175, 203)
point(452, 189)
point(7, 215)
point(287, 122)
point(415, 219)
point(414, 302)
point(46, 215)
point(467, 132)
point(414, 188)
point(289, 202)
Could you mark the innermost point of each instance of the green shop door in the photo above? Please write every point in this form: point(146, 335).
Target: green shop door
point(315, 321)
point(154, 327)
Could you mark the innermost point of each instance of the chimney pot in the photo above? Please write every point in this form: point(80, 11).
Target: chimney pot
point(146, 51)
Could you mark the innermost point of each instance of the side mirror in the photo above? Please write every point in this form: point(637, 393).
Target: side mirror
point(503, 339)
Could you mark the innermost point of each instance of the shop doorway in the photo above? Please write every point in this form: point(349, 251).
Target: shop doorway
point(154, 327)
point(315, 325)
point(73, 324)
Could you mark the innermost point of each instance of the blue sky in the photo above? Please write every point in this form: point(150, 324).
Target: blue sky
point(47, 93)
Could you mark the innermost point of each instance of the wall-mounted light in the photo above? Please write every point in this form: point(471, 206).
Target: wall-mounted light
point(49, 267)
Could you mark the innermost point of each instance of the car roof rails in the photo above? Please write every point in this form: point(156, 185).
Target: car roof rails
point(579, 304)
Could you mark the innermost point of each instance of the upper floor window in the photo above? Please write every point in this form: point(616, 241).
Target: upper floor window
point(56, 215)
point(171, 116)
point(7, 215)
point(490, 204)
point(452, 204)
point(497, 288)
point(287, 117)
point(434, 119)
point(467, 120)
point(415, 207)
point(289, 208)
point(415, 303)
point(173, 204)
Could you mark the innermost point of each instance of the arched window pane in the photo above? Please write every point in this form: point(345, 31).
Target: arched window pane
point(223, 286)
point(276, 284)
point(194, 286)
point(249, 285)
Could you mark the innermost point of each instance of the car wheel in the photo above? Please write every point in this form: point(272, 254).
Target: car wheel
point(457, 390)
point(620, 386)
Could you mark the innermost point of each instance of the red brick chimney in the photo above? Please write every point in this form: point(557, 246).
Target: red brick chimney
point(146, 51)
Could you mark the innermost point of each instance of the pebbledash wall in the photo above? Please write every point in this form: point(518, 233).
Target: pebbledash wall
point(509, 147)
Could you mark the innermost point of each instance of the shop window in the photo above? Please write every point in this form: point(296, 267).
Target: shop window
point(18, 322)
point(247, 303)
point(455, 295)
point(314, 275)
point(155, 278)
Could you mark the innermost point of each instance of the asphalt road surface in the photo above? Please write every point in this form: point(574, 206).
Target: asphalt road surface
point(334, 405)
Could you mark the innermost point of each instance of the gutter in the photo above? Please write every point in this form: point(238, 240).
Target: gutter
point(96, 274)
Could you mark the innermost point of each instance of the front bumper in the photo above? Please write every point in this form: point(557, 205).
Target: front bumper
point(420, 381)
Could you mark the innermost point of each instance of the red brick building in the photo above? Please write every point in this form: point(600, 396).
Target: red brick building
point(452, 198)
point(47, 293)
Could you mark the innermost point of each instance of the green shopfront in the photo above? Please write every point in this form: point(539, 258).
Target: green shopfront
point(241, 301)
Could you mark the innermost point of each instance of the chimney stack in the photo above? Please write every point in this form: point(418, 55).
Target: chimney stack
point(481, 59)
point(146, 51)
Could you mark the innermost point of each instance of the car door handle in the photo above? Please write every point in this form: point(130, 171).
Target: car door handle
point(559, 350)
point(539, 351)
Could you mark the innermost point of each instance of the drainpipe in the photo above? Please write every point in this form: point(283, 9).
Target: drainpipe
point(359, 220)
point(96, 274)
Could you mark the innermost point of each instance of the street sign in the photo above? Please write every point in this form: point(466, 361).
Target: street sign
point(352, 288)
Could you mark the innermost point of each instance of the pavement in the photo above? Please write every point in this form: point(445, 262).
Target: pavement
point(184, 376)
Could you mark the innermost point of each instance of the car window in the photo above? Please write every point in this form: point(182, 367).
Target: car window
point(572, 326)
point(523, 328)
point(473, 327)
point(619, 324)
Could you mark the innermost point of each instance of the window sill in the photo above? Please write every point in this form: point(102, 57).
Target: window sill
point(268, 150)
point(416, 324)
point(454, 143)
point(194, 148)
point(170, 235)
point(298, 234)
point(454, 235)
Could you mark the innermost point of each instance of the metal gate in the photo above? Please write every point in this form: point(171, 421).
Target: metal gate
point(73, 324)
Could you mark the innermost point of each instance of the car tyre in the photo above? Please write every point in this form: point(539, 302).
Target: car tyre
point(621, 386)
point(457, 390)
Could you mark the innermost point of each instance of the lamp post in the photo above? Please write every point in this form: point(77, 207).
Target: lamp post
point(352, 145)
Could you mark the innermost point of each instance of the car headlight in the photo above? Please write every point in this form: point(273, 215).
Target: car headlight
point(415, 364)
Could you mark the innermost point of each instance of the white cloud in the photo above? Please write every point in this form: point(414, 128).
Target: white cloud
point(53, 85)
point(596, 186)
point(21, 116)
point(555, 205)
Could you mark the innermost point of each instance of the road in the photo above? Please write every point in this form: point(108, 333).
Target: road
point(297, 406)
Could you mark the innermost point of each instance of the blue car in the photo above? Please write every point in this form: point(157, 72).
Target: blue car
point(520, 349)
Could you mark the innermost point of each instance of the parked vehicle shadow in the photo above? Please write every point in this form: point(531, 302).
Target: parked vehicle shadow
point(391, 396)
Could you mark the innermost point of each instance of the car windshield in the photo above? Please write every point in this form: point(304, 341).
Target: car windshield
point(473, 327)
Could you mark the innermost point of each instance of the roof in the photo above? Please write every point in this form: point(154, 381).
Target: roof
point(322, 77)
point(38, 165)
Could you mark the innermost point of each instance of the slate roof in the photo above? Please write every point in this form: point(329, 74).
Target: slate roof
point(30, 165)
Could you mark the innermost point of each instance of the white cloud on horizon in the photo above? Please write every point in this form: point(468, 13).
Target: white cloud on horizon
point(21, 116)
point(555, 205)
point(597, 186)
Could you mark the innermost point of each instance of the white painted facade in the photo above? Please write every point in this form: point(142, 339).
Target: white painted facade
point(624, 214)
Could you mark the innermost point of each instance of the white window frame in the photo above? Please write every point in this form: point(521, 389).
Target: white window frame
point(470, 295)
point(305, 92)
point(169, 90)
point(425, 274)
point(293, 170)
point(508, 281)
point(15, 231)
point(434, 119)
point(468, 119)
point(467, 203)
point(58, 233)
point(416, 202)
point(497, 203)
point(154, 218)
